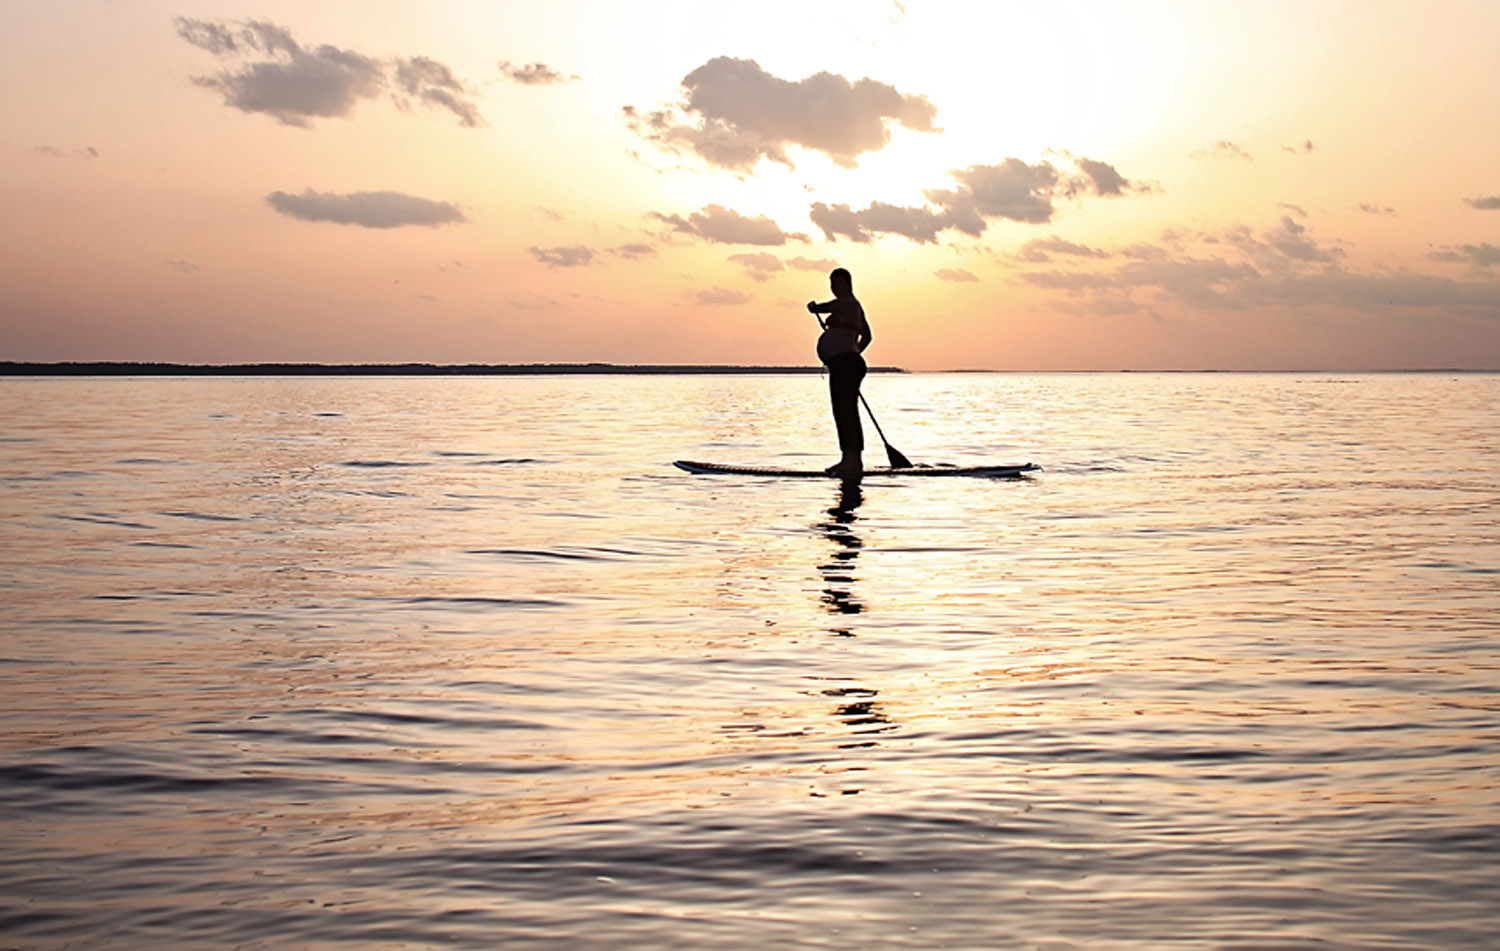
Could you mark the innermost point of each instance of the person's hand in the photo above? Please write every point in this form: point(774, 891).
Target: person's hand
point(810, 305)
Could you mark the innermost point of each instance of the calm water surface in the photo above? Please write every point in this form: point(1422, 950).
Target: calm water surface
point(464, 663)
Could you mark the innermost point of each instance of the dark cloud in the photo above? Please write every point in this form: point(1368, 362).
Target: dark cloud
point(955, 275)
point(719, 297)
point(533, 74)
point(724, 226)
point(366, 209)
point(573, 256)
point(734, 114)
point(1480, 255)
point(758, 265)
point(1223, 149)
point(297, 84)
point(1487, 203)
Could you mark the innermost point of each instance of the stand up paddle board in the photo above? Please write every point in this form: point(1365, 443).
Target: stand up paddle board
point(714, 468)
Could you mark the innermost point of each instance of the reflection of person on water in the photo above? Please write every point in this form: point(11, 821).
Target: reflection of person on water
point(838, 571)
point(846, 333)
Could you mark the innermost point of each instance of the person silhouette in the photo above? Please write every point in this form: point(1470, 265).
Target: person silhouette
point(846, 334)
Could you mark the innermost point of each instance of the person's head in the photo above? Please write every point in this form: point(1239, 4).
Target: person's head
point(841, 281)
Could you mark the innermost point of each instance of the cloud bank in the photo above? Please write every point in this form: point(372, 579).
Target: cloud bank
point(296, 85)
point(734, 114)
point(366, 209)
point(1488, 203)
point(1479, 255)
point(1239, 268)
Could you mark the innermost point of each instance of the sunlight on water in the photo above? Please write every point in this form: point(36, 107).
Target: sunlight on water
point(393, 663)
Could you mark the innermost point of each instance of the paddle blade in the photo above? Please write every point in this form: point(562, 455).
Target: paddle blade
point(898, 461)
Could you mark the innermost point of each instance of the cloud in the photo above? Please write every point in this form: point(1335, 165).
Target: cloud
point(1106, 180)
point(917, 224)
point(296, 85)
point(366, 209)
point(1290, 240)
point(719, 297)
point(955, 275)
point(812, 264)
point(52, 151)
point(734, 114)
point(535, 302)
point(759, 266)
point(1012, 190)
point(1279, 267)
point(634, 251)
point(1223, 149)
point(1040, 250)
point(184, 266)
point(1370, 209)
point(573, 256)
point(431, 82)
point(1488, 203)
point(1479, 255)
point(725, 226)
point(1306, 148)
point(533, 74)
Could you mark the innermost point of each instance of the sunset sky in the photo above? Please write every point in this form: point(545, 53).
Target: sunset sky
point(1027, 186)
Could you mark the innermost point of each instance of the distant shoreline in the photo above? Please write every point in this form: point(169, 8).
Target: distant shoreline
point(122, 368)
point(128, 368)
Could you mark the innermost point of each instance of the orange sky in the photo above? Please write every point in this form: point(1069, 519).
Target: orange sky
point(1308, 185)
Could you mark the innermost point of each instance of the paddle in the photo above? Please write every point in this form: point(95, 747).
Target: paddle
point(898, 461)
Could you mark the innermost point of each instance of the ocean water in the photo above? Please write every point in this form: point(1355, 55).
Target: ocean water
point(409, 663)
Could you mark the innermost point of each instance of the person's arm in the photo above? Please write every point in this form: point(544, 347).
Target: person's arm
point(828, 307)
point(865, 334)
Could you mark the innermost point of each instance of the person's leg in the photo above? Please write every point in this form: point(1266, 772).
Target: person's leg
point(845, 373)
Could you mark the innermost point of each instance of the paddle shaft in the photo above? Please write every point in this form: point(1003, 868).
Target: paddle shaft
point(897, 458)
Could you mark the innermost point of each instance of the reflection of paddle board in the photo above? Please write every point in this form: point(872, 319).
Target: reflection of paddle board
point(714, 468)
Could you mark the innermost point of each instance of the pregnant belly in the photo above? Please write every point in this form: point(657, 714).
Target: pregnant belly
point(837, 340)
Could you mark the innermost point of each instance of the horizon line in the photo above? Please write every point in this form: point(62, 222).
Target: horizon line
point(310, 368)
